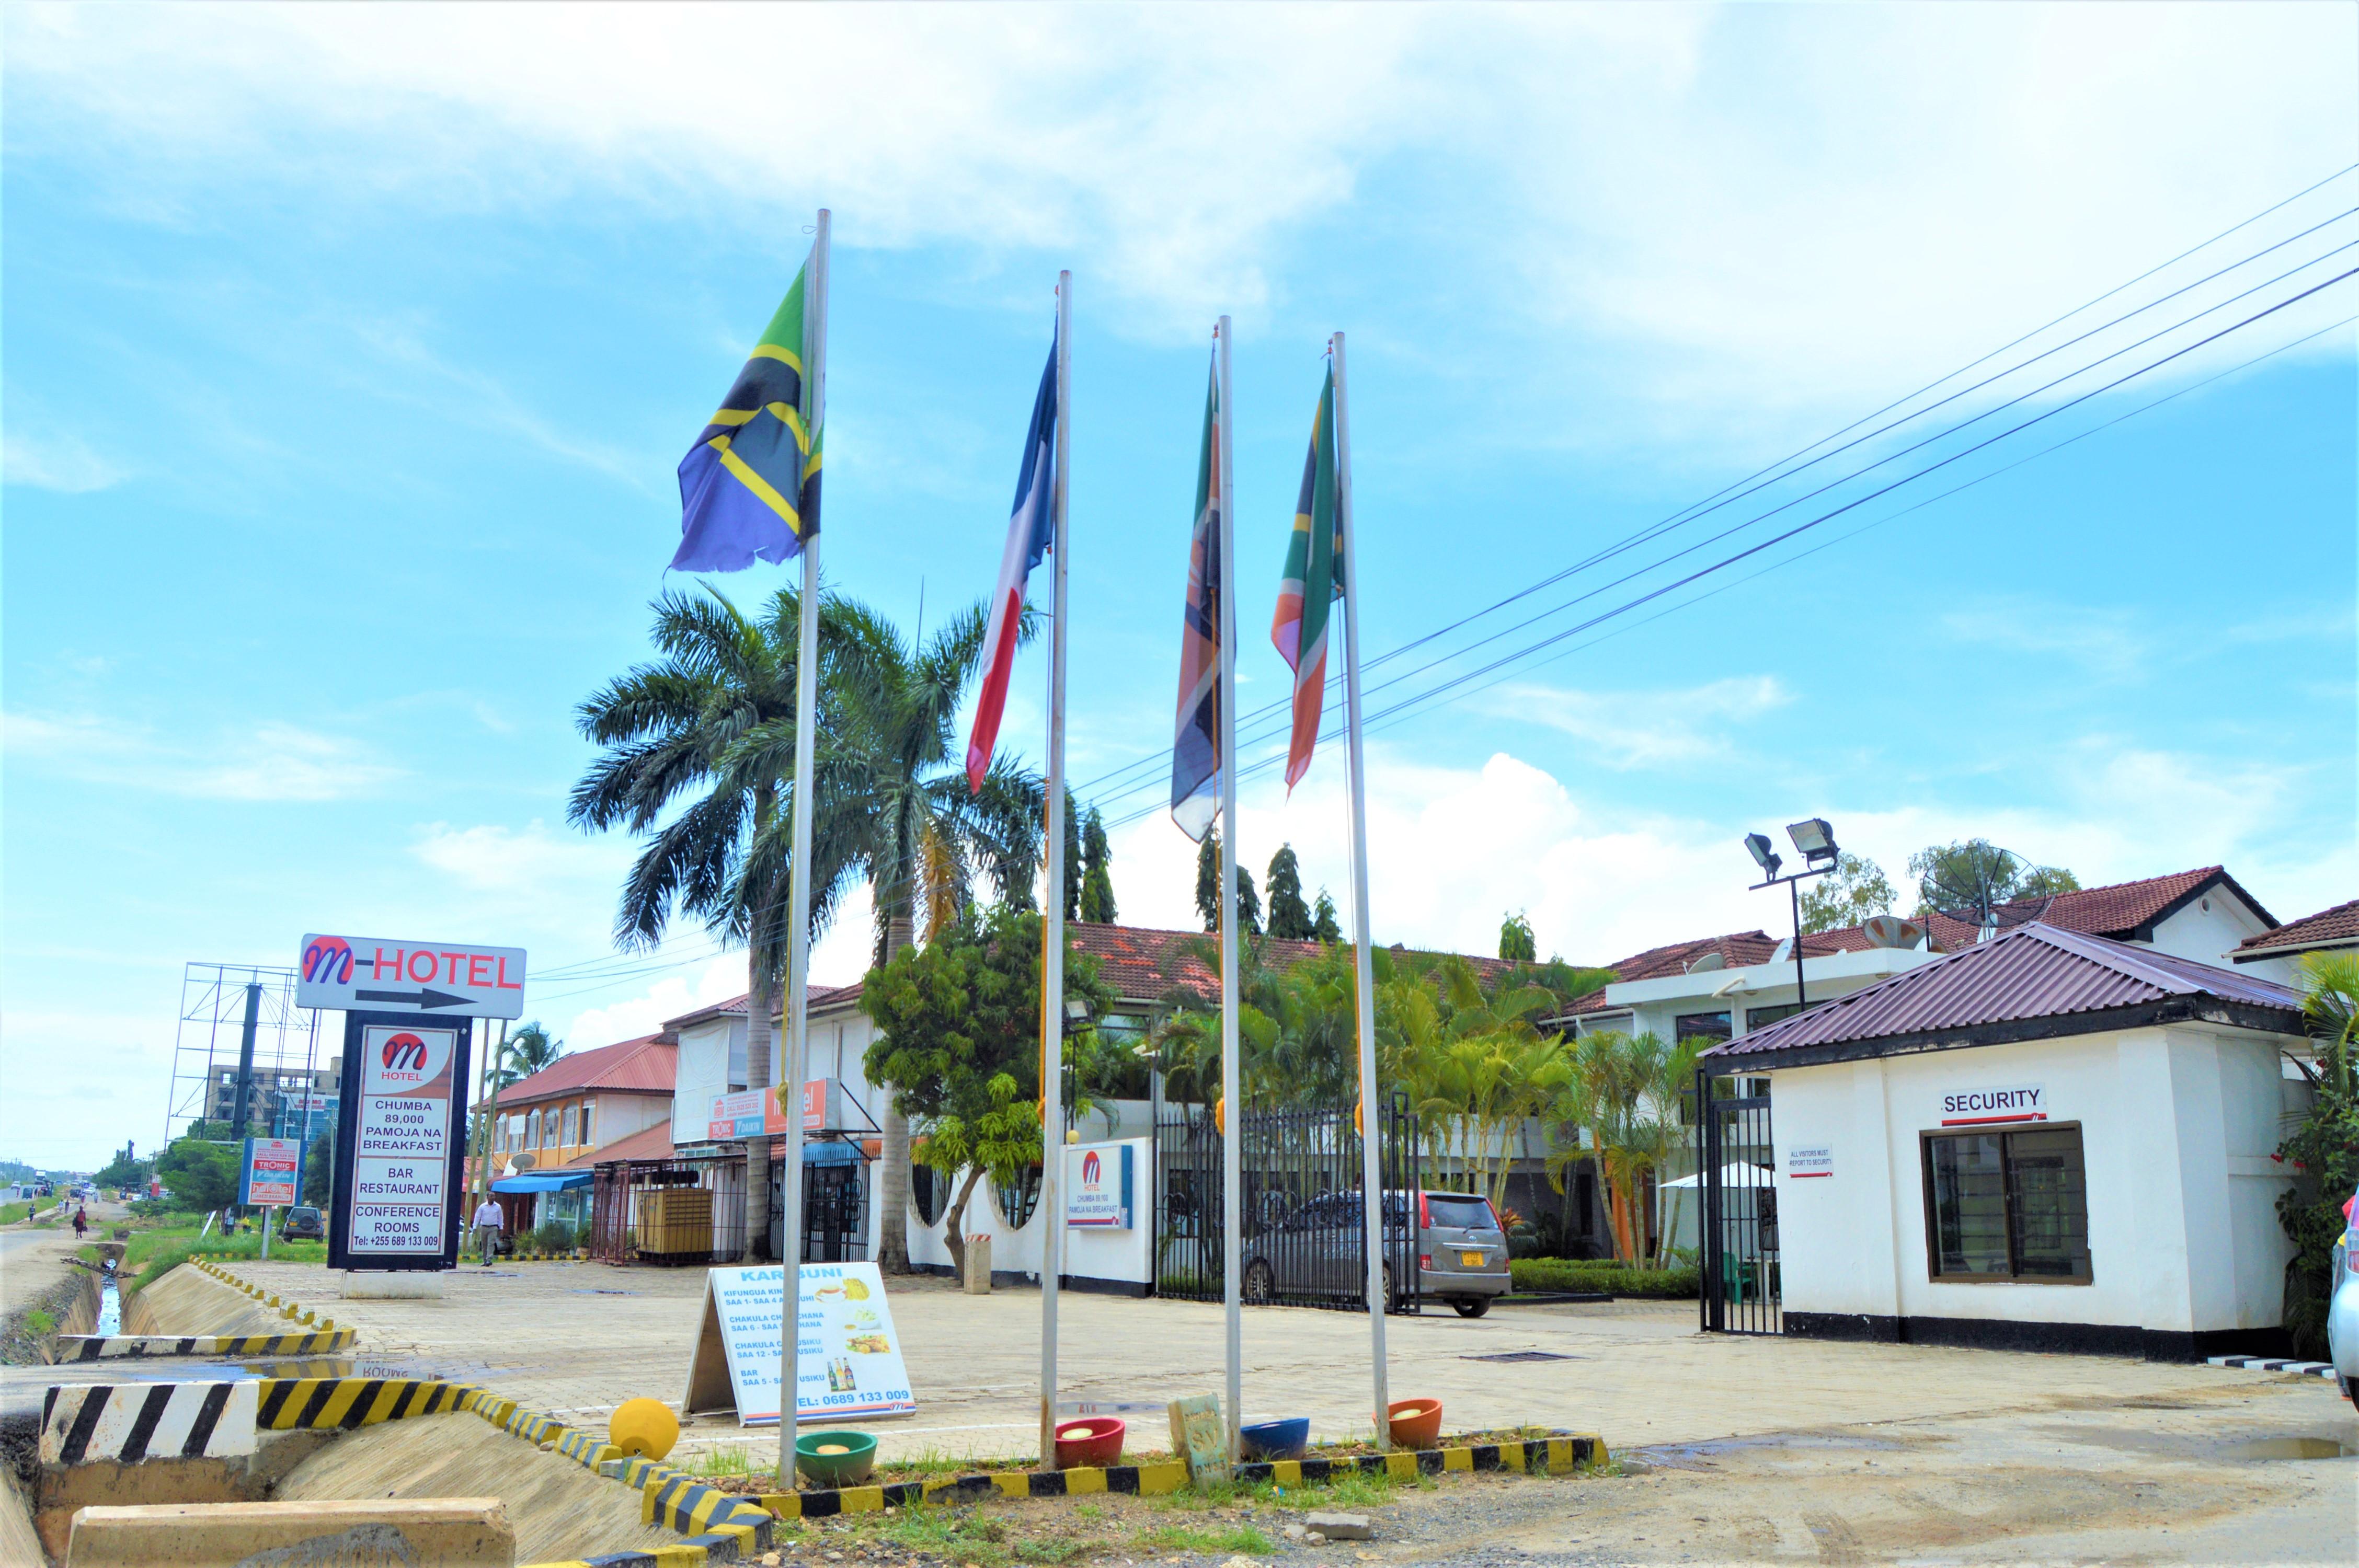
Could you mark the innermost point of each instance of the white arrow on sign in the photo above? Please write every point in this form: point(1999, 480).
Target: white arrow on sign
point(450, 979)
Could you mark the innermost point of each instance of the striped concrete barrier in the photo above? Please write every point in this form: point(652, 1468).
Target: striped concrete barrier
point(729, 1527)
point(289, 1404)
point(2276, 1364)
point(71, 1347)
point(128, 1423)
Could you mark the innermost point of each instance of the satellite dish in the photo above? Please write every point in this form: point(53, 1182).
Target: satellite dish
point(521, 1163)
point(1977, 888)
point(1891, 931)
point(1714, 960)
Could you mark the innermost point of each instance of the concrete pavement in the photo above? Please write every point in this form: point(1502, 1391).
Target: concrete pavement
point(576, 1339)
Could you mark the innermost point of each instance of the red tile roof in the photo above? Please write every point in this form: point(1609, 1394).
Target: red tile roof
point(2123, 911)
point(648, 1143)
point(647, 1066)
point(2018, 986)
point(2336, 927)
point(1141, 963)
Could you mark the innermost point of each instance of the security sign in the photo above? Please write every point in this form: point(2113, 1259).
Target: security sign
point(372, 974)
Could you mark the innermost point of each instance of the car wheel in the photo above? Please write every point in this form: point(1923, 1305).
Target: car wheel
point(1471, 1306)
point(1260, 1287)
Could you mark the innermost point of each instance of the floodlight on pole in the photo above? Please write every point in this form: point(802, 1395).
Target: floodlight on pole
point(1815, 839)
point(1767, 858)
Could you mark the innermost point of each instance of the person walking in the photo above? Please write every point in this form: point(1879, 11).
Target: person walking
point(82, 1222)
point(489, 1221)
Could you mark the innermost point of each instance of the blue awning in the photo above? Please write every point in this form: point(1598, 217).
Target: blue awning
point(544, 1182)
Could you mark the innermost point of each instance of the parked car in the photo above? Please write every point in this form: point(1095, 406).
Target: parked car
point(2343, 1306)
point(1317, 1250)
point(304, 1223)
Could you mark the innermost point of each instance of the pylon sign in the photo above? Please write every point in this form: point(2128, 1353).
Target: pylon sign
point(401, 1146)
point(449, 980)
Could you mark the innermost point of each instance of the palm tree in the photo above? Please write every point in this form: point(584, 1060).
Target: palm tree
point(711, 724)
point(527, 1051)
point(908, 823)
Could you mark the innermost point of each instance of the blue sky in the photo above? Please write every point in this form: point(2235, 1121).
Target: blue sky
point(349, 354)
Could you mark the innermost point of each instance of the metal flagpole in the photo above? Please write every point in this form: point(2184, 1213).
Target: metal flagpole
point(1233, 1180)
point(1052, 946)
point(798, 904)
point(1364, 995)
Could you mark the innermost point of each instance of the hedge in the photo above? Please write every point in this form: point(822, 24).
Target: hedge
point(1611, 1278)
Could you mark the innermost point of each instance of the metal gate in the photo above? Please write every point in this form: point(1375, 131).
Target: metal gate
point(834, 1215)
point(1736, 1167)
point(1305, 1236)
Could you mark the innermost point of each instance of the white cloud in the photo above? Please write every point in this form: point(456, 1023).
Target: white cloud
point(272, 762)
point(1667, 209)
point(1645, 728)
point(2104, 643)
point(56, 461)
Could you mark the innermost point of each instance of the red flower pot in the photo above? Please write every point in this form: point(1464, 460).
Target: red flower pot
point(1093, 1442)
point(1416, 1423)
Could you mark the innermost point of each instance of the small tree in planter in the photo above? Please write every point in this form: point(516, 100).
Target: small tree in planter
point(959, 1037)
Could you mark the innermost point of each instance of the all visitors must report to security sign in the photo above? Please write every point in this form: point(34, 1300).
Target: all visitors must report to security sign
point(848, 1354)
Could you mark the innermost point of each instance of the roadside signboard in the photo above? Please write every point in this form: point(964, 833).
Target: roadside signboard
point(268, 1176)
point(847, 1360)
point(375, 974)
point(754, 1113)
point(1098, 1186)
point(401, 1143)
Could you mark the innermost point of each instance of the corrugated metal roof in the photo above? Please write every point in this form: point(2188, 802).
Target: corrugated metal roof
point(2032, 973)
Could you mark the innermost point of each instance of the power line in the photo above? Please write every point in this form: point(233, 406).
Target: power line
point(1724, 496)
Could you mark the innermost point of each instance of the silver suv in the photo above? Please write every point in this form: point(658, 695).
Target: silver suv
point(1314, 1253)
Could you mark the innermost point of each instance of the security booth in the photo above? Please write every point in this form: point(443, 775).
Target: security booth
point(2047, 1140)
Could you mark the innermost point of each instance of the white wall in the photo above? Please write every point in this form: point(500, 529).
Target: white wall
point(2208, 931)
point(702, 1073)
point(2177, 1124)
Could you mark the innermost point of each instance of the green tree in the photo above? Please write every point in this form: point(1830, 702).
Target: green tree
point(1208, 890)
point(1325, 927)
point(709, 727)
point(320, 1170)
point(1517, 944)
point(911, 826)
point(1850, 894)
point(201, 1174)
point(529, 1049)
point(959, 1037)
point(1097, 876)
point(1289, 917)
point(124, 1171)
point(2322, 1149)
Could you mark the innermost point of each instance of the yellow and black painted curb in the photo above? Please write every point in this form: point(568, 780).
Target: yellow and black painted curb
point(292, 1403)
point(287, 1310)
point(138, 1346)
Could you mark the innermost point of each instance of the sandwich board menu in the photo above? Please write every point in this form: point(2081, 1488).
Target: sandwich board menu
point(847, 1353)
point(400, 1150)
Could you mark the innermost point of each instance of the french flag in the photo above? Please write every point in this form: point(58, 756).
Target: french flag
point(1029, 530)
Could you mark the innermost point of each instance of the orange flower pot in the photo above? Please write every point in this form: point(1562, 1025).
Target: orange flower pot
point(1416, 1423)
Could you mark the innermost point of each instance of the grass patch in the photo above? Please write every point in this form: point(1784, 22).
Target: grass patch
point(961, 1533)
point(11, 1213)
point(149, 1255)
point(1611, 1279)
point(38, 1322)
point(1183, 1538)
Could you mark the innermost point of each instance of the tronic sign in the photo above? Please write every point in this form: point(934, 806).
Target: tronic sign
point(373, 974)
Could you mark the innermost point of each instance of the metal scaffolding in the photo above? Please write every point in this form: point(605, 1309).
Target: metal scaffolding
point(207, 1042)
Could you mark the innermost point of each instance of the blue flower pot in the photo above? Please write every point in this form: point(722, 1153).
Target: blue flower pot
point(1269, 1439)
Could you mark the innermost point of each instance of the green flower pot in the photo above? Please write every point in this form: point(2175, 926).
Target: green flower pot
point(835, 1458)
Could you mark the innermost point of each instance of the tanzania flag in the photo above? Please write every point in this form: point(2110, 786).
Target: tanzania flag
point(1196, 742)
point(1314, 581)
point(749, 488)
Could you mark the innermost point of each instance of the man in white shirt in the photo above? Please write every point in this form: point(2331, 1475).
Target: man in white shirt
point(489, 1222)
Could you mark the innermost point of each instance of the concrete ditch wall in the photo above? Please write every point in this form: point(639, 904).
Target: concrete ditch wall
point(561, 1511)
point(186, 1301)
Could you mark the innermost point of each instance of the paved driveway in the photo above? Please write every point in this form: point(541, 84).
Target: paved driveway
point(576, 1339)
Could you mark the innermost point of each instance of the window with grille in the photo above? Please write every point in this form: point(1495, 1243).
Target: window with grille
point(2006, 1206)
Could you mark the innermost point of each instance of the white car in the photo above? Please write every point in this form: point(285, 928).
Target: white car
point(2342, 1309)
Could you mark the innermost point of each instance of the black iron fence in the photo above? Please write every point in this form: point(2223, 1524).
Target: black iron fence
point(1736, 1181)
point(1305, 1236)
